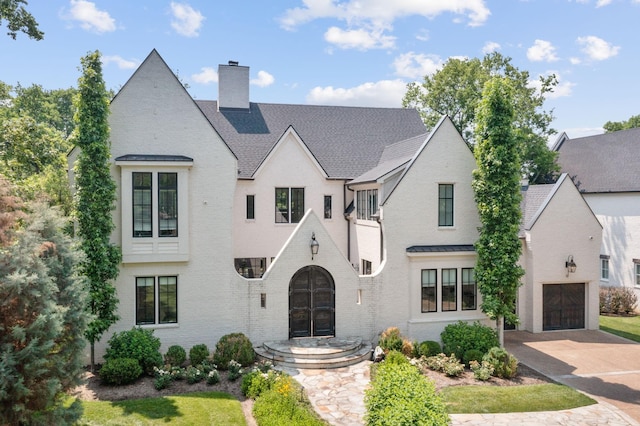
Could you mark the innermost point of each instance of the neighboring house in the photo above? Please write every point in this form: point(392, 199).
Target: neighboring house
point(605, 168)
point(285, 221)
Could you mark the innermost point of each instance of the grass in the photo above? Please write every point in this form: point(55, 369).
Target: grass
point(198, 408)
point(627, 327)
point(512, 399)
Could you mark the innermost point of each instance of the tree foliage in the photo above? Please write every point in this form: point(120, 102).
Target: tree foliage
point(42, 319)
point(614, 126)
point(18, 19)
point(96, 194)
point(496, 184)
point(456, 91)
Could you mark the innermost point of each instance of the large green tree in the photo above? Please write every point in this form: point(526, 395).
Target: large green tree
point(456, 90)
point(42, 317)
point(496, 184)
point(96, 194)
point(19, 19)
point(614, 126)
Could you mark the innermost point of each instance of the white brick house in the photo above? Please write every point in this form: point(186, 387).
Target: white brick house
point(219, 202)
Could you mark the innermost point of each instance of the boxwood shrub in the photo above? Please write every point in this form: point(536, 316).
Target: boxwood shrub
point(234, 346)
point(120, 371)
point(460, 337)
point(139, 344)
point(175, 356)
point(198, 354)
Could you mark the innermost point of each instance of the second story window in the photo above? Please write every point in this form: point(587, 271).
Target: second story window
point(367, 203)
point(251, 206)
point(604, 268)
point(289, 205)
point(327, 206)
point(142, 205)
point(168, 204)
point(445, 205)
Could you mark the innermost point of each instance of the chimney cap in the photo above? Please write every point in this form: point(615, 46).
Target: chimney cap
point(234, 63)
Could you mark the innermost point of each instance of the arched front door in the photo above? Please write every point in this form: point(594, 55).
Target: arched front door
point(312, 303)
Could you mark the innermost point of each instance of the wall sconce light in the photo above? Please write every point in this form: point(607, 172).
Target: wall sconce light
point(314, 245)
point(570, 265)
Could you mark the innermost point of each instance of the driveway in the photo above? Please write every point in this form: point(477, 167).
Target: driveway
point(605, 366)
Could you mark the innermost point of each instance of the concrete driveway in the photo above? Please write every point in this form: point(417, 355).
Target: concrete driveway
point(600, 364)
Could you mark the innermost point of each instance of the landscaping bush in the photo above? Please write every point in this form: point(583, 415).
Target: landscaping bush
point(481, 370)
point(256, 383)
point(504, 364)
point(235, 370)
point(194, 375)
point(392, 340)
point(617, 300)
point(395, 357)
point(139, 344)
point(426, 349)
point(120, 371)
point(472, 355)
point(462, 336)
point(400, 395)
point(234, 346)
point(449, 365)
point(213, 377)
point(198, 354)
point(176, 355)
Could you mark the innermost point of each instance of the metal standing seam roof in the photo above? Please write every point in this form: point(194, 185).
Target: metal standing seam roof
point(603, 163)
point(346, 141)
point(441, 248)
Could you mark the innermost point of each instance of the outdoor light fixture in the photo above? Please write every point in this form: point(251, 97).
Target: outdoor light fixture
point(314, 245)
point(570, 265)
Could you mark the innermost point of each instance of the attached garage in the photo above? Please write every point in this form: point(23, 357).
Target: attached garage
point(563, 306)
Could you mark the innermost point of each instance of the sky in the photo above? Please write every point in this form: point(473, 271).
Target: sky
point(344, 52)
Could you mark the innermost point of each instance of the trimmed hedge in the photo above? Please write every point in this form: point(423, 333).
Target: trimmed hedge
point(120, 371)
point(400, 395)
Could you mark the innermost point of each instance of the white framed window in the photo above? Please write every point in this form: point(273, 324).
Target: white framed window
point(449, 287)
point(604, 268)
point(429, 290)
point(367, 203)
point(636, 266)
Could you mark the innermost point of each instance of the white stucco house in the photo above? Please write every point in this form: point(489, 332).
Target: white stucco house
point(290, 221)
point(604, 168)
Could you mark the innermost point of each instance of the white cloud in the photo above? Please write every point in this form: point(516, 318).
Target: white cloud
point(563, 89)
point(601, 3)
point(367, 20)
point(596, 48)
point(423, 35)
point(359, 39)
point(90, 18)
point(385, 93)
point(207, 75)
point(264, 79)
point(490, 47)
point(575, 61)
point(416, 65)
point(186, 20)
point(122, 63)
point(542, 50)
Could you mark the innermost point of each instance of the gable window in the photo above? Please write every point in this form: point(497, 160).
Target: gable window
point(142, 207)
point(445, 205)
point(156, 300)
point(289, 205)
point(168, 204)
point(327, 206)
point(367, 204)
point(469, 289)
point(250, 267)
point(449, 284)
point(429, 290)
point(251, 206)
point(604, 268)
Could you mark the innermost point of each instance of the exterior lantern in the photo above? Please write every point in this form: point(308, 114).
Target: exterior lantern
point(314, 245)
point(570, 265)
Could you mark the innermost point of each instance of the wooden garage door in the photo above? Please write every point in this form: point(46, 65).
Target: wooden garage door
point(563, 306)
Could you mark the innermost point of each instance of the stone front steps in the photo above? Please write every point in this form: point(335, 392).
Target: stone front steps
point(315, 352)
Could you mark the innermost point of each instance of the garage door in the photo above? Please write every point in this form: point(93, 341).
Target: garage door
point(563, 306)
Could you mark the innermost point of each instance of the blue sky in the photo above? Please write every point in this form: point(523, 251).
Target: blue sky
point(344, 52)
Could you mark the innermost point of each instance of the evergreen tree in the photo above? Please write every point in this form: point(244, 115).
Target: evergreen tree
point(96, 194)
point(42, 320)
point(496, 184)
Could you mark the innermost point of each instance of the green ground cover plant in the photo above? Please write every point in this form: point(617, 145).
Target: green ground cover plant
point(512, 399)
point(199, 408)
point(627, 327)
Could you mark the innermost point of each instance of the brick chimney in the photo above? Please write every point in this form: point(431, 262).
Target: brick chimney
point(233, 86)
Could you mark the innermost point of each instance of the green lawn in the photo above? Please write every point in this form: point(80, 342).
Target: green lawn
point(627, 327)
point(512, 399)
point(198, 408)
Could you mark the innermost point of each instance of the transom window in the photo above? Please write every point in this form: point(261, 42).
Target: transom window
point(367, 201)
point(445, 204)
point(156, 300)
point(429, 290)
point(143, 204)
point(289, 205)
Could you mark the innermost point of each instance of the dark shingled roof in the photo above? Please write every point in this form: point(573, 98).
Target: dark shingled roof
point(346, 141)
point(603, 163)
point(532, 199)
point(441, 248)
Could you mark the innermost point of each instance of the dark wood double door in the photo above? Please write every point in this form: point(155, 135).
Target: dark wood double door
point(563, 306)
point(312, 303)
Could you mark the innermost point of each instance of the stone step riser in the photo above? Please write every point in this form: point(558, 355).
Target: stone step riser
point(318, 355)
point(287, 361)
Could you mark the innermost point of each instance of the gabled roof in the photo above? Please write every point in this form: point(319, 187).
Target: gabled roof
point(602, 163)
point(346, 141)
